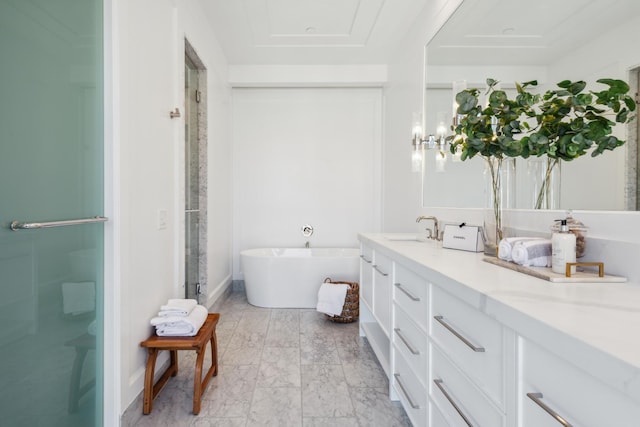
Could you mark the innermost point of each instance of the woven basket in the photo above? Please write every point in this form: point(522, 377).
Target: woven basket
point(351, 308)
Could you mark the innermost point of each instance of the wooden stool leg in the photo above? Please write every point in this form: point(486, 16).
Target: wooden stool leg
point(214, 353)
point(148, 381)
point(197, 380)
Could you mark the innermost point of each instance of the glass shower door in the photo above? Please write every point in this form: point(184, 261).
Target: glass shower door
point(51, 191)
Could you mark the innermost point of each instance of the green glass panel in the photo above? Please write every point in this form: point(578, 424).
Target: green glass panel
point(51, 169)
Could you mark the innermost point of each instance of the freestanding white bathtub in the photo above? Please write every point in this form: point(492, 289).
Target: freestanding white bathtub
point(290, 277)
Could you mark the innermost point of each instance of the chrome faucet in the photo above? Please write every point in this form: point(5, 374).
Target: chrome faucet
point(307, 245)
point(431, 234)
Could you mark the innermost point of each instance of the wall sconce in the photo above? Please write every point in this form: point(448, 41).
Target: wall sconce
point(440, 141)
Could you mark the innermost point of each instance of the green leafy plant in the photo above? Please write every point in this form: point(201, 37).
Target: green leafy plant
point(563, 124)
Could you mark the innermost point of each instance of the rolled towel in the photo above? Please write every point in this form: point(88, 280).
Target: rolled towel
point(177, 307)
point(505, 247)
point(331, 298)
point(532, 253)
point(181, 326)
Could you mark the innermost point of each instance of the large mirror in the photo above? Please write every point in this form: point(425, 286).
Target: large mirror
point(548, 41)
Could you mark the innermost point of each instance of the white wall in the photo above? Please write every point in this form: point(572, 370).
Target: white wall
point(305, 156)
point(148, 77)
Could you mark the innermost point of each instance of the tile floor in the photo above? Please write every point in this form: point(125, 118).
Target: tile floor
point(282, 367)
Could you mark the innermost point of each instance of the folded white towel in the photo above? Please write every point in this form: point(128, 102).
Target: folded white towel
point(505, 247)
point(184, 326)
point(331, 298)
point(177, 307)
point(532, 253)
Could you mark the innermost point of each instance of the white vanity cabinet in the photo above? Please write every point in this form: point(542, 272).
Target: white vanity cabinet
point(552, 389)
point(410, 345)
point(375, 301)
point(466, 343)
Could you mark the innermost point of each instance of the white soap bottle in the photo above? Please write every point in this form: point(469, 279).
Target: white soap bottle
point(563, 249)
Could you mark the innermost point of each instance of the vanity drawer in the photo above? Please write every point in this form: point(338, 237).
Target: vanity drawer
point(569, 392)
point(410, 292)
point(457, 399)
point(412, 343)
point(412, 393)
point(436, 419)
point(382, 274)
point(472, 340)
point(366, 275)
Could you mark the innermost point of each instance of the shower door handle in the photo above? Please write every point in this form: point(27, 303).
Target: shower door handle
point(16, 225)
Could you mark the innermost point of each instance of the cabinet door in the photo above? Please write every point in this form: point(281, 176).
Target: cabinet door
point(552, 388)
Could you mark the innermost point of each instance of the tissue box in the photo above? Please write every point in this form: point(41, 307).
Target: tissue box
point(463, 237)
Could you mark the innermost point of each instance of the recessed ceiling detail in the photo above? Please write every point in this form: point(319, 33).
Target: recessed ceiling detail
point(311, 23)
point(311, 32)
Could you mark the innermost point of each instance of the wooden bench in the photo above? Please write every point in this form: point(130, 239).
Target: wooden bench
point(198, 343)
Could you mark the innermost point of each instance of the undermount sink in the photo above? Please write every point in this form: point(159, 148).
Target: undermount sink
point(403, 238)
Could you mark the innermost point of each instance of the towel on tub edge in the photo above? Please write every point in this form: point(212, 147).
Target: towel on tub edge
point(331, 298)
point(181, 326)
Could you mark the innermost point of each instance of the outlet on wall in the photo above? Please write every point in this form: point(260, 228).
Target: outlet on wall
point(162, 219)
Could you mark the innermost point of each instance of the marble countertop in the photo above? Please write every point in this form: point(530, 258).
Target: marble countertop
point(594, 325)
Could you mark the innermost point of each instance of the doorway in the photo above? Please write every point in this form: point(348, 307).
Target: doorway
point(195, 168)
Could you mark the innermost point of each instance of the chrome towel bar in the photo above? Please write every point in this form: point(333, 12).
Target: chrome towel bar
point(16, 225)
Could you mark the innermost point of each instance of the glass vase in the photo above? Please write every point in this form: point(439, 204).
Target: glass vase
point(544, 176)
point(500, 194)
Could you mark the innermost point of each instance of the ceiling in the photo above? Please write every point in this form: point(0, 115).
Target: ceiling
point(522, 32)
point(310, 32)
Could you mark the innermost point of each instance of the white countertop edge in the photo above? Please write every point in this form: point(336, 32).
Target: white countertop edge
point(595, 326)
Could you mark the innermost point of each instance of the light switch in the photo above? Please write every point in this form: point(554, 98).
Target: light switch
point(162, 219)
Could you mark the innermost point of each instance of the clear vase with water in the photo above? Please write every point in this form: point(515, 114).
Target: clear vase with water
point(544, 178)
point(500, 195)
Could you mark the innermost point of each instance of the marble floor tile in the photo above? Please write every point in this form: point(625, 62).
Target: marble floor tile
point(279, 406)
point(330, 422)
point(373, 408)
point(280, 367)
point(318, 349)
point(325, 392)
point(230, 393)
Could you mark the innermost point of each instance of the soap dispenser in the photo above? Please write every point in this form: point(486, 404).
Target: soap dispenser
point(563, 249)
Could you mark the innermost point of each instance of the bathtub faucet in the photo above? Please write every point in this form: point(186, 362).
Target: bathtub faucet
point(306, 245)
point(431, 234)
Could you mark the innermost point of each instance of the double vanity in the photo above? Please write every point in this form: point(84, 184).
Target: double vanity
point(468, 343)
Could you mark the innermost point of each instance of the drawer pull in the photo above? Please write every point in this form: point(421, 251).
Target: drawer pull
point(411, 348)
point(368, 261)
point(404, 391)
point(407, 293)
point(375, 267)
point(440, 320)
point(440, 385)
point(537, 398)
